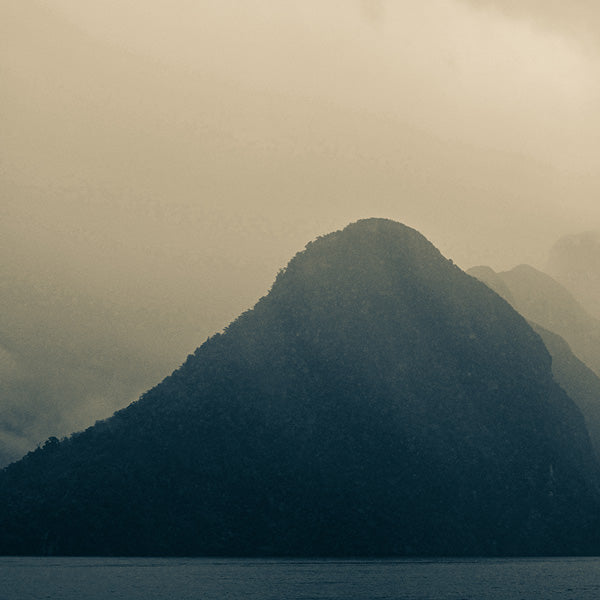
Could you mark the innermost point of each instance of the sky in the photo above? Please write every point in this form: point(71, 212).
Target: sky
point(162, 160)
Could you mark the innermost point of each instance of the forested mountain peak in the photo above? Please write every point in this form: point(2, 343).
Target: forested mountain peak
point(377, 401)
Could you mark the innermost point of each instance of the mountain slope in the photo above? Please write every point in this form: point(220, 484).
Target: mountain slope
point(493, 281)
point(539, 298)
point(377, 401)
point(579, 381)
point(560, 311)
point(574, 261)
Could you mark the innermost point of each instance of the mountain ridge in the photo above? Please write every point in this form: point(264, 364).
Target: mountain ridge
point(377, 401)
point(568, 331)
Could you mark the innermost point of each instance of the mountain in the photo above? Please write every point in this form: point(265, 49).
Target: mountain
point(493, 281)
point(574, 261)
point(116, 186)
point(579, 381)
point(377, 401)
point(543, 300)
point(547, 301)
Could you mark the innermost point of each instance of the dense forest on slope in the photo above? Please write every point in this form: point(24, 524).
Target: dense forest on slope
point(377, 401)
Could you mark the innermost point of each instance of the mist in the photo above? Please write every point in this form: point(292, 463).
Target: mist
point(161, 161)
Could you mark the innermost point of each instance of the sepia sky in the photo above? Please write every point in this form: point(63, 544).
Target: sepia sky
point(162, 159)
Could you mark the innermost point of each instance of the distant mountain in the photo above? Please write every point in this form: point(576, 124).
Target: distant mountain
point(493, 281)
point(574, 261)
point(377, 401)
point(13, 439)
point(541, 299)
point(537, 296)
point(580, 382)
point(9, 449)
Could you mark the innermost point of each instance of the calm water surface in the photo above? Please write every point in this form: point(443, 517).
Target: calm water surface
point(218, 579)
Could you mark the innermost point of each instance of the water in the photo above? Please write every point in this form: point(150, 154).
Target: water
point(219, 579)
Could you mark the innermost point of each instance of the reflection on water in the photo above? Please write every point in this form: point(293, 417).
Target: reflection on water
point(273, 579)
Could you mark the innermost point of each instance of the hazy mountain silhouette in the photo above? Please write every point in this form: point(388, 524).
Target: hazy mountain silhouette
point(574, 261)
point(579, 381)
point(378, 401)
point(550, 303)
point(107, 209)
point(543, 300)
point(493, 281)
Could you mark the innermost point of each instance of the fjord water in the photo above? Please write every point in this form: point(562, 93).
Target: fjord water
point(274, 579)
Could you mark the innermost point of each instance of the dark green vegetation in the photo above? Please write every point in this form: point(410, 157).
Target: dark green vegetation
point(378, 401)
